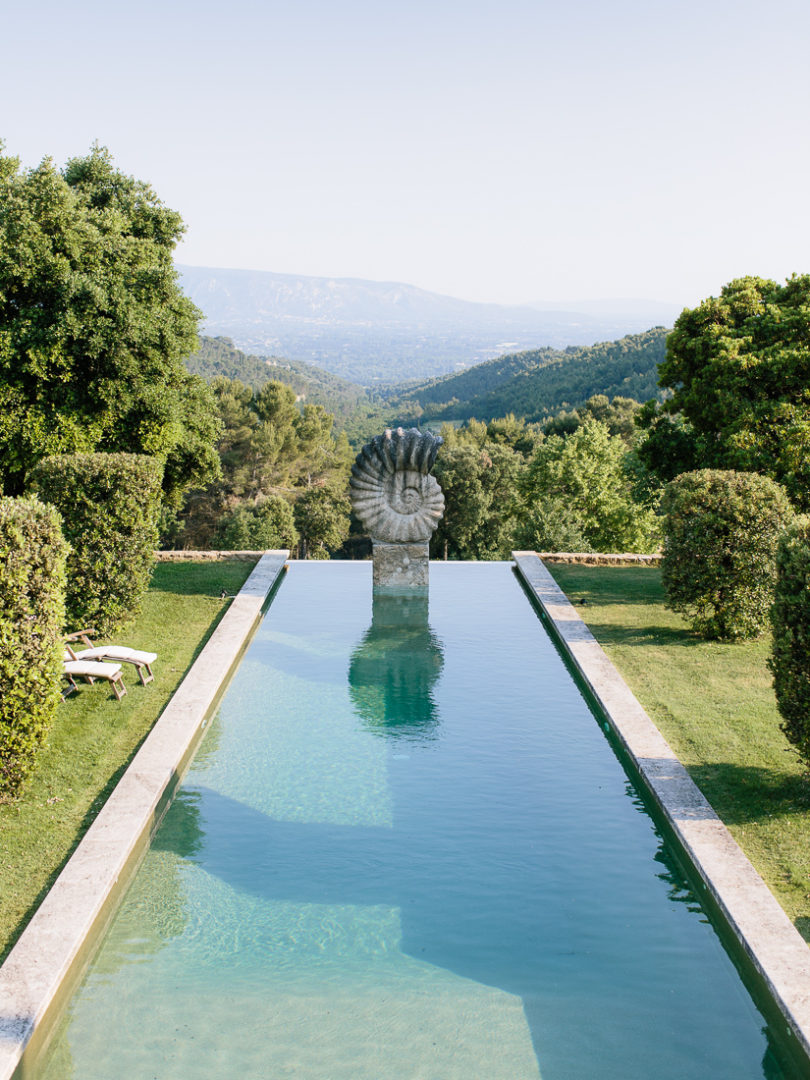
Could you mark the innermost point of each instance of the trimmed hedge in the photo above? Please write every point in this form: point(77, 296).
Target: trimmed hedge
point(32, 605)
point(790, 621)
point(110, 505)
point(721, 529)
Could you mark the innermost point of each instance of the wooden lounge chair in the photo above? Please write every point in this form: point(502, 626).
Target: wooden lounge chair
point(95, 669)
point(120, 654)
point(71, 685)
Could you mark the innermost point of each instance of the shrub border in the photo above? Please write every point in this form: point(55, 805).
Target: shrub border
point(53, 951)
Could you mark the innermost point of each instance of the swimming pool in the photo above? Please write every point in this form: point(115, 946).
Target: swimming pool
point(406, 849)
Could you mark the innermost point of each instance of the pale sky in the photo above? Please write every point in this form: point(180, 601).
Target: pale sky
point(500, 150)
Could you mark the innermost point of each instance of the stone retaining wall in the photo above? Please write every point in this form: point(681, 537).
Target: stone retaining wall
point(587, 558)
point(207, 556)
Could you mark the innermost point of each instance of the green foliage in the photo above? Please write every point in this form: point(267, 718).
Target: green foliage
point(110, 506)
point(618, 415)
point(739, 369)
point(579, 495)
point(93, 325)
point(790, 622)
point(479, 479)
point(267, 524)
point(668, 446)
point(322, 519)
point(32, 599)
point(720, 535)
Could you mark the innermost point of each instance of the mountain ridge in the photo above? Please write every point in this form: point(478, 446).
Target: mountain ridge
point(379, 332)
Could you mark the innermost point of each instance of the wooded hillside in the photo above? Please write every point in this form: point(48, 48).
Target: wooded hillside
point(219, 356)
point(541, 382)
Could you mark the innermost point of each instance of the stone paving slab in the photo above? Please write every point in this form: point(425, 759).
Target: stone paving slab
point(777, 950)
point(53, 946)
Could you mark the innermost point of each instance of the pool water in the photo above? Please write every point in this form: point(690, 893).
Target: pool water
point(407, 851)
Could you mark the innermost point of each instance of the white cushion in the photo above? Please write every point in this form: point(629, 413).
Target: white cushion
point(92, 668)
point(117, 652)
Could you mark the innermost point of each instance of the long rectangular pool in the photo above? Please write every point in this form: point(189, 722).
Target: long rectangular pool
point(406, 850)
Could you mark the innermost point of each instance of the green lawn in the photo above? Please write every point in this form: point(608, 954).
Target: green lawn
point(714, 704)
point(95, 736)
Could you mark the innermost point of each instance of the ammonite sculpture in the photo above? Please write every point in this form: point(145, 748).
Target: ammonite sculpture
point(392, 492)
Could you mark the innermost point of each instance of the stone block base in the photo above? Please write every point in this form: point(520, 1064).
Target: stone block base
point(400, 565)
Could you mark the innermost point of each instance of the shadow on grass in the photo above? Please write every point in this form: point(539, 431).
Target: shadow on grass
point(802, 924)
point(610, 634)
point(743, 794)
point(200, 578)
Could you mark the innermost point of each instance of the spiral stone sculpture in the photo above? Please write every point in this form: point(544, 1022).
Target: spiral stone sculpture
point(398, 502)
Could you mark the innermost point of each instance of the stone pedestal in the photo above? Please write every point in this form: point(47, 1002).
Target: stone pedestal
point(400, 565)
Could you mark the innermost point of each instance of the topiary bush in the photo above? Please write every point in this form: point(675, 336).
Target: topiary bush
point(721, 529)
point(32, 606)
point(110, 505)
point(790, 621)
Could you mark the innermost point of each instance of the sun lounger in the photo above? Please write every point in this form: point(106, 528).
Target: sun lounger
point(121, 654)
point(95, 669)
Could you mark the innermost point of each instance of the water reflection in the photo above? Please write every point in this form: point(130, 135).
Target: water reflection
point(395, 667)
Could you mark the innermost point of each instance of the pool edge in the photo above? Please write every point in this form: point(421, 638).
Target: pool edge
point(777, 950)
point(55, 945)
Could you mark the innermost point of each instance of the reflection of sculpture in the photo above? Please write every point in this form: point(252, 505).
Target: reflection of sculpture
point(395, 667)
point(399, 503)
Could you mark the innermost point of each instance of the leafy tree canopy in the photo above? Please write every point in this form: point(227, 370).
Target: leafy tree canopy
point(738, 366)
point(578, 489)
point(93, 325)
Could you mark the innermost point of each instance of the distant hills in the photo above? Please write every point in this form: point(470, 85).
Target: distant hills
point(372, 333)
point(541, 382)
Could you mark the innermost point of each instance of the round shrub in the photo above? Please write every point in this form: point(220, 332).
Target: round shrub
point(266, 525)
point(790, 621)
point(721, 529)
point(32, 604)
point(110, 506)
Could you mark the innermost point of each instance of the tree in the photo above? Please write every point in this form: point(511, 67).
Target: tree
point(480, 485)
point(721, 530)
point(578, 486)
point(322, 519)
point(738, 366)
point(267, 524)
point(618, 415)
point(94, 326)
point(268, 447)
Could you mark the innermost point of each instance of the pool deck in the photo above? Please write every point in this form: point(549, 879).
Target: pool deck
point(777, 950)
point(56, 945)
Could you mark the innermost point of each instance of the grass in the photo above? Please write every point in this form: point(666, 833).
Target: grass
point(95, 736)
point(714, 703)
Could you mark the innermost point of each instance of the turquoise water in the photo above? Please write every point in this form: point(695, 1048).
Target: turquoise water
point(406, 851)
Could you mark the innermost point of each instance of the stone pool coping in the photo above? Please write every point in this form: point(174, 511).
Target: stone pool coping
point(53, 948)
point(778, 952)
